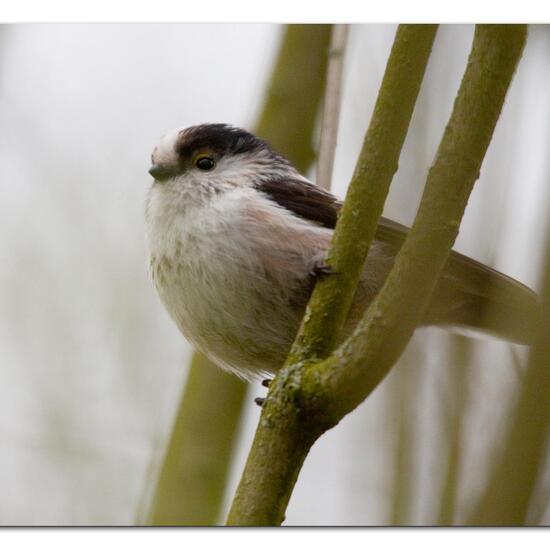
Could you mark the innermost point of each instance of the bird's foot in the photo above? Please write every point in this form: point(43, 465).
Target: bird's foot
point(261, 400)
point(321, 270)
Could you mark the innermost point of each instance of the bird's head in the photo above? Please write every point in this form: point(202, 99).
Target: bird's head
point(211, 158)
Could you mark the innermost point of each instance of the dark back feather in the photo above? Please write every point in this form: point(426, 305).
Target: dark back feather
point(303, 199)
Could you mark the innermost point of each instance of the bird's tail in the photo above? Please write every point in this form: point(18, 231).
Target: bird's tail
point(473, 296)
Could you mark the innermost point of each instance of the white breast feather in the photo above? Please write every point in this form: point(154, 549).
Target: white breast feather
point(226, 270)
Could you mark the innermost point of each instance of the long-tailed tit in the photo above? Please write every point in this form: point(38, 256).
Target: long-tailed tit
point(236, 236)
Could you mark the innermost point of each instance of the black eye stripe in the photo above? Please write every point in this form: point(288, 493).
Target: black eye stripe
point(205, 163)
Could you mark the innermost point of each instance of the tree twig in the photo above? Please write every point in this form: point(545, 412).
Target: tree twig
point(389, 322)
point(329, 305)
point(331, 107)
point(309, 395)
point(281, 437)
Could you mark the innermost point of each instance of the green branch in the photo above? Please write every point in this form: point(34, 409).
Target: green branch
point(202, 439)
point(309, 396)
point(377, 163)
point(193, 476)
point(281, 435)
point(390, 320)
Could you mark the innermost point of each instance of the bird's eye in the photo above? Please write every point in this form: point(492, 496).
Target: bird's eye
point(205, 163)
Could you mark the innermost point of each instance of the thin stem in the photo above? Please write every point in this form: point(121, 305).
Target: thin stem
point(331, 108)
point(294, 92)
point(454, 400)
point(202, 438)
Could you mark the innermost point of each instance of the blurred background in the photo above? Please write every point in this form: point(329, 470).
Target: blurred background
point(91, 366)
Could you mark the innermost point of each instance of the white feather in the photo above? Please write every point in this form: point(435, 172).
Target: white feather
point(226, 267)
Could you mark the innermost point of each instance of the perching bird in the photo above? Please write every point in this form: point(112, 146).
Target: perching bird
point(237, 235)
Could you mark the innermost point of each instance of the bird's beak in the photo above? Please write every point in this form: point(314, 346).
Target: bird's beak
point(160, 172)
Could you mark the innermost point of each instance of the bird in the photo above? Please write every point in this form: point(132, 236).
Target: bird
point(237, 238)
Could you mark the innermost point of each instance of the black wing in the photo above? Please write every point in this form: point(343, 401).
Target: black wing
point(461, 273)
point(304, 199)
point(317, 205)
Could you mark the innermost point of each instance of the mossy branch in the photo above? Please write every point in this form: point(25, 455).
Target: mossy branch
point(390, 320)
point(377, 163)
point(310, 394)
point(192, 479)
point(284, 437)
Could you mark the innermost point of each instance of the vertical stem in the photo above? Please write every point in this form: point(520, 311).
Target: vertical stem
point(455, 398)
point(407, 386)
point(280, 447)
point(331, 108)
point(294, 92)
point(196, 462)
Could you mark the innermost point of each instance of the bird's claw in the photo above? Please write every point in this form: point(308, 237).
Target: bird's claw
point(321, 270)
